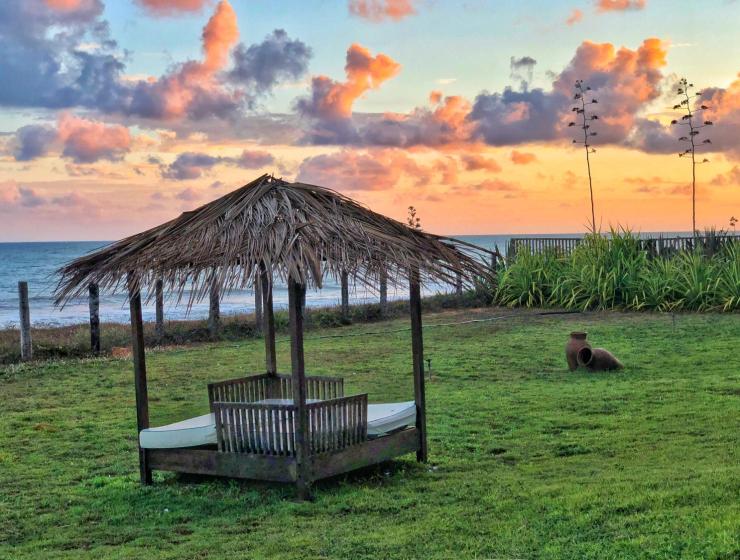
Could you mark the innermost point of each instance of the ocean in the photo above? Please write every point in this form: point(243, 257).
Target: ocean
point(37, 263)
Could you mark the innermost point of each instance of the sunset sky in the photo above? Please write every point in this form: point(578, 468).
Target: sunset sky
point(116, 116)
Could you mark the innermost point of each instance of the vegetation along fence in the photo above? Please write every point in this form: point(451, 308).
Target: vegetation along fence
point(709, 243)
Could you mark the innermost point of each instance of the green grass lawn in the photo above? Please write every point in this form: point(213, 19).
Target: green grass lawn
point(527, 460)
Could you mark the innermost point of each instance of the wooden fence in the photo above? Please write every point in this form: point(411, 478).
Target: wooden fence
point(655, 246)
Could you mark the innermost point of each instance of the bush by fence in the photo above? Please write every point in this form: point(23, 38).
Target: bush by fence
point(620, 272)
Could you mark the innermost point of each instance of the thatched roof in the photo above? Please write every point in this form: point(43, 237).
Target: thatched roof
point(302, 231)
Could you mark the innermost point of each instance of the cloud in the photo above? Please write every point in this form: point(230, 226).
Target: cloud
point(63, 58)
point(254, 159)
point(192, 165)
point(262, 66)
point(522, 158)
point(619, 5)
point(74, 6)
point(189, 165)
point(88, 141)
point(381, 10)
point(82, 140)
point(191, 88)
point(33, 141)
point(576, 16)
point(171, 7)
point(189, 195)
point(350, 170)
point(624, 81)
point(445, 122)
point(522, 70)
point(475, 162)
point(329, 104)
point(723, 110)
point(731, 178)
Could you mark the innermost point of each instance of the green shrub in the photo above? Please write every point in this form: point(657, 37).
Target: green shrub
point(617, 272)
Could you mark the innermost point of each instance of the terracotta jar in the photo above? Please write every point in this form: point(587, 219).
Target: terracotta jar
point(598, 359)
point(575, 343)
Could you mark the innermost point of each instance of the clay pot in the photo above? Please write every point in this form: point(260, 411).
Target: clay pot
point(598, 359)
point(575, 343)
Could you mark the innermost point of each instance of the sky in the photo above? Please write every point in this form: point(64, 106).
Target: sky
point(118, 115)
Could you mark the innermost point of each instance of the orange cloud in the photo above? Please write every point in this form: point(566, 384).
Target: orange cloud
point(364, 72)
point(619, 5)
point(522, 158)
point(87, 141)
point(475, 162)
point(170, 7)
point(575, 17)
point(219, 35)
point(176, 94)
point(381, 10)
point(330, 103)
point(71, 5)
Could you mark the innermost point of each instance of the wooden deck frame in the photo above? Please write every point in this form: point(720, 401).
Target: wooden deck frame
point(306, 461)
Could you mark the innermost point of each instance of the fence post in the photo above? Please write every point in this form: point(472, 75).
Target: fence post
point(257, 303)
point(214, 311)
point(26, 348)
point(159, 309)
point(383, 292)
point(94, 304)
point(345, 296)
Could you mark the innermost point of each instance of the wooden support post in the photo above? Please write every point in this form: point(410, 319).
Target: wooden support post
point(258, 304)
point(142, 398)
point(214, 311)
point(345, 296)
point(417, 349)
point(383, 292)
point(303, 458)
point(25, 313)
point(159, 309)
point(94, 305)
point(268, 321)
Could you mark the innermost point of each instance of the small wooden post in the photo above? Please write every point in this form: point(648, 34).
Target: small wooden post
point(268, 321)
point(383, 292)
point(214, 311)
point(303, 459)
point(159, 309)
point(94, 304)
point(25, 312)
point(142, 397)
point(258, 304)
point(345, 296)
point(417, 349)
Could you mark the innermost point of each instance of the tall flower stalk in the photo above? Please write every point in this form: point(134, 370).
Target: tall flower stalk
point(692, 119)
point(584, 118)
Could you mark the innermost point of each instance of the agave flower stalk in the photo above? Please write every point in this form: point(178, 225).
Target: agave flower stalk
point(584, 118)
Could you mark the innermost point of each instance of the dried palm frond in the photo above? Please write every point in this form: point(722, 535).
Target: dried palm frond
point(295, 230)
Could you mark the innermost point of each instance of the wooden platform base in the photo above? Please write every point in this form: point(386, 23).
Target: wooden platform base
point(283, 468)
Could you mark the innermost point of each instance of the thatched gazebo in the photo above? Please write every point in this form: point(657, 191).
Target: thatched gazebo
point(270, 426)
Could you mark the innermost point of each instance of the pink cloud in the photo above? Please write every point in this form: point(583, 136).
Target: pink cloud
point(86, 141)
point(172, 7)
point(619, 5)
point(350, 170)
point(381, 10)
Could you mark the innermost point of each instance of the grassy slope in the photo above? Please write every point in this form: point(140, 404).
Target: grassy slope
point(527, 459)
